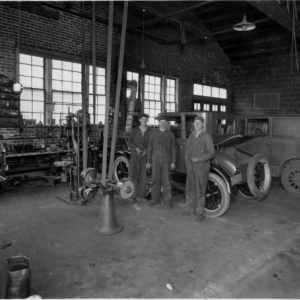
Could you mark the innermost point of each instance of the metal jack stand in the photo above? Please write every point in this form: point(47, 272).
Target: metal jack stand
point(107, 220)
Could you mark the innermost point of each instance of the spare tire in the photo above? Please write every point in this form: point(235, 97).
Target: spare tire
point(259, 176)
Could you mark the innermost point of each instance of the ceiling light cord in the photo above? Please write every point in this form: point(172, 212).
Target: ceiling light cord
point(204, 76)
point(143, 66)
point(294, 39)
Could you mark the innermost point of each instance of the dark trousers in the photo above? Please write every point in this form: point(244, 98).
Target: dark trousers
point(138, 174)
point(161, 177)
point(196, 185)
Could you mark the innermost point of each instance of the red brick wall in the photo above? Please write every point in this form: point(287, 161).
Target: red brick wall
point(275, 75)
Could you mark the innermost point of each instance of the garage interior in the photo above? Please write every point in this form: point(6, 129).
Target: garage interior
point(69, 53)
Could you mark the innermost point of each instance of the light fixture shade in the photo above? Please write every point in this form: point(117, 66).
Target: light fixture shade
point(244, 25)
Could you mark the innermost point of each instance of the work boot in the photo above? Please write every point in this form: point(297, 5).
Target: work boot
point(131, 200)
point(167, 205)
point(152, 202)
point(199, 218)
point(141, 199)
point(187, 213)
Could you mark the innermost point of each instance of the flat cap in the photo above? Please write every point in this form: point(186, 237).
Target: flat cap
point(200, 118)
point(162, 117)
point(143, 116)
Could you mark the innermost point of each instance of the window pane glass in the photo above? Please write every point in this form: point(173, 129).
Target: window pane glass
point(25, 81)
point(25, 59)
point(215, 92)
point(67, 65)
point(197, 89)
point(223, 93)
point(207, 91)
point(25, 70)
point(37, 61)
point(38, 95)
point(76, 77)
point(37, 71)
point(26, 106)
point(26, 94)
point(38, 106)
point(38, 83)
point(56, 74)
point(57, 64)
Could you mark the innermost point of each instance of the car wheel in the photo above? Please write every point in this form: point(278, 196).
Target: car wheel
point(245, 194)
point(290, 178)
point(217, 197)
point(121, 168)
point(259, 176)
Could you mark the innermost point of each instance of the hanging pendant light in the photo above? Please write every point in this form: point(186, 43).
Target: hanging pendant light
point(143, 66)
point(204, 78)
point(244, 25)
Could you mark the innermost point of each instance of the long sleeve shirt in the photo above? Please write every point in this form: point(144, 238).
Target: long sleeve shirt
point(201, 147)
point(138, 140)
point(162, 141)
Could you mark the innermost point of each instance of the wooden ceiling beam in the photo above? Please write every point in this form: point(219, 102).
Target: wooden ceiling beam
point(276, 13)
point(255, 52)
point(194, 29)
point(167, 16)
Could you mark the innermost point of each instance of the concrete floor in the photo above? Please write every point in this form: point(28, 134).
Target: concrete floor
point(253, 251)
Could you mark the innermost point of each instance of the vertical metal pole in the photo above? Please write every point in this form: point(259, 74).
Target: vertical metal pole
point(84, 110)
point(107, 90)
point(117, 104)
point(94, 80)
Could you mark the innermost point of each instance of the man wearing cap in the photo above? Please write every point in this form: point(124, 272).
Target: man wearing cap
point(199, 151)
point(138, 144)
point(161, 156)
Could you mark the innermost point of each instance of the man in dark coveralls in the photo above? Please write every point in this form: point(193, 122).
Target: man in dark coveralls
point(199, 151)
point(138, 143)
point(161, 156)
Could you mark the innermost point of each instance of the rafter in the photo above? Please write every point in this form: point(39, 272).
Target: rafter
point(275, 12)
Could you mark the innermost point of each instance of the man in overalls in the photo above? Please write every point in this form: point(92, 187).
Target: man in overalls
point(161, 156)
point(199, 151)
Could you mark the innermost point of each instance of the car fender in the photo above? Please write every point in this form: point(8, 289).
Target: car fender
point(125, 153)
point(224, 175)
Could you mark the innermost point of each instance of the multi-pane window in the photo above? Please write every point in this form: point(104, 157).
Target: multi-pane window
point(132, 76)
point(65, 85)
point(32, 78)
point(209, 91)
point(197, 106)
point(214, 107)
point(170, 104)
point(223, 108)
point(66, 88)
point(152, 97)
point(206, 107)
point(100, 95)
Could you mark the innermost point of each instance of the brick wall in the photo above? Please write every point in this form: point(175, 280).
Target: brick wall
point(277, 75)
point(66, 36)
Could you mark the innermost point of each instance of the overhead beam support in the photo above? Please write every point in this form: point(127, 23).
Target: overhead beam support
point(166, 16)
point(276, 13)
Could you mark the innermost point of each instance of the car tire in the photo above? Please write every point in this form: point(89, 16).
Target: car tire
point(217, 196)
point(259, 176)
point(245, 194)
point(290, 178)
point(121, 168)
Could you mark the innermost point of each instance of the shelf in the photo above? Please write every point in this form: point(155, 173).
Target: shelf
point(34, 154)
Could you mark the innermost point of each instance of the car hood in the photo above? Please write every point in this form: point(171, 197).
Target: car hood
point(234, 140)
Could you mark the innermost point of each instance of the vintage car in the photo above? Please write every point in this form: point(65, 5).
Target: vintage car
point(232, 172)
point(279, 141)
